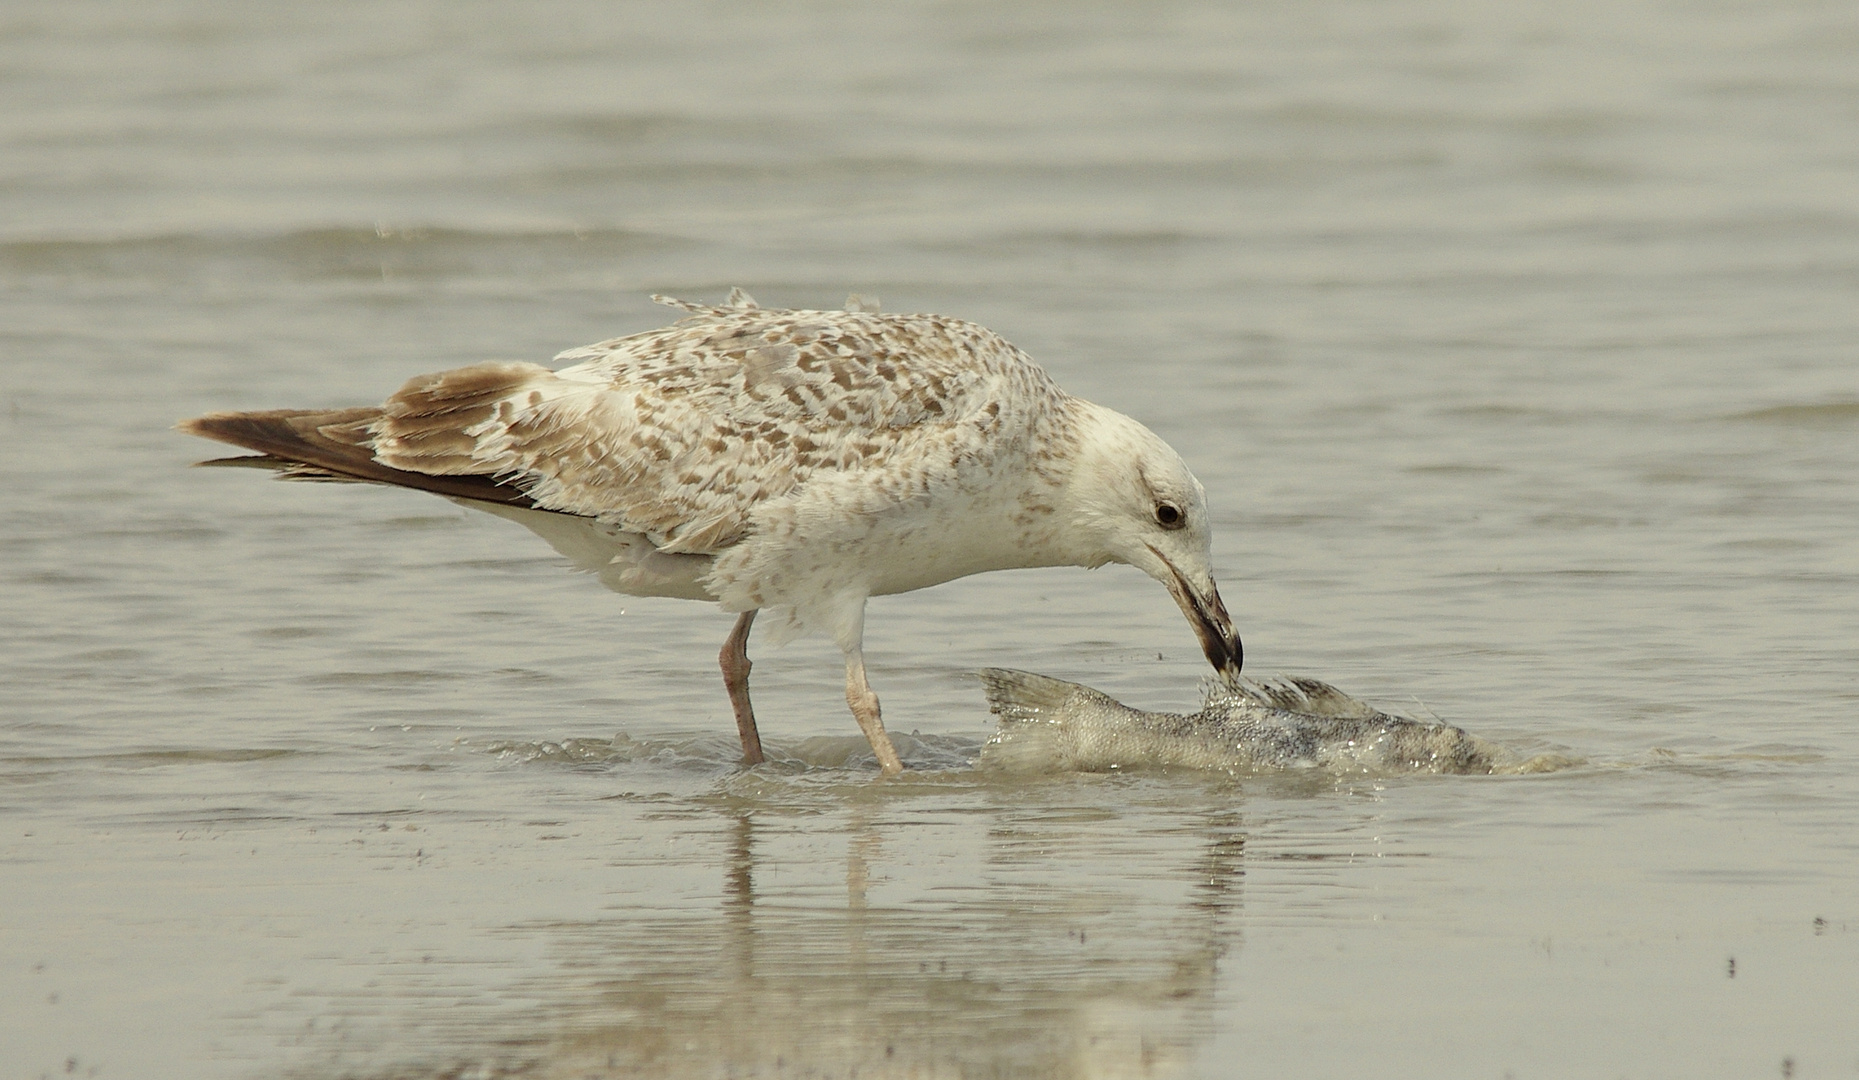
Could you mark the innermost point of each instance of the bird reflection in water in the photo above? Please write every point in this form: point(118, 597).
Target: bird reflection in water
point(1066, 943)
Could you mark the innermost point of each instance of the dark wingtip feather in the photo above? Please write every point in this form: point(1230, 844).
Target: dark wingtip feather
point(331, 445)
point(245, 461)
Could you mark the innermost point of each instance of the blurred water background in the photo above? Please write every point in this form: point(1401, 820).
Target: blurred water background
point(1515, 344)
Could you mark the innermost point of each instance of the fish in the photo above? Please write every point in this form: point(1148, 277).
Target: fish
point(1245, 726)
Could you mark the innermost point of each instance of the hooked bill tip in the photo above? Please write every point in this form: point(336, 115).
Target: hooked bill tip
point(1226, 654)
point(1207, 615)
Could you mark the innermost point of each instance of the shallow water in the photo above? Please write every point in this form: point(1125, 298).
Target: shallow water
point(1515, 348)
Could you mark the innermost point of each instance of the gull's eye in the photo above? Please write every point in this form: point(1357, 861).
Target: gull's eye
point(1169, 516)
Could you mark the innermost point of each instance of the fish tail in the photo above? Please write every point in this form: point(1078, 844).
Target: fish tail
point(1022, 695)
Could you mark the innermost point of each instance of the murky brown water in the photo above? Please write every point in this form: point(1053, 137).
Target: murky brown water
point(1515, 345)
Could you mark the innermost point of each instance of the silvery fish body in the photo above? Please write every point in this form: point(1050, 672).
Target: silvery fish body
point(1245, 726)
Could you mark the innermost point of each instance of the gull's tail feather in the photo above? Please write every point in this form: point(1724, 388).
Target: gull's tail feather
point(323, 444)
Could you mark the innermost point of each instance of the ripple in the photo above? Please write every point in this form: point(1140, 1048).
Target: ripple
point(1816, 415)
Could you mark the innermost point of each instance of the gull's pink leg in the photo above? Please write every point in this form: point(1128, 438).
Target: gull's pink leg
point(735, 663)
point(864, 704)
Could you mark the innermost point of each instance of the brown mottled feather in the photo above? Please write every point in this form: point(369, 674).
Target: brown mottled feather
point(814, 455)
point(687, 434)
point(335, 440)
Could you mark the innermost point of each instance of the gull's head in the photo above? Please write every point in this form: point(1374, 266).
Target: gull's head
point(1132, 500)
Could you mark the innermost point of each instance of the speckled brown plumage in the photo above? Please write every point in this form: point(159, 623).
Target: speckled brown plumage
point(799, 461)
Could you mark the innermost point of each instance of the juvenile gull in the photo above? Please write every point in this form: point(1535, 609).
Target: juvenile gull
point(798, 461)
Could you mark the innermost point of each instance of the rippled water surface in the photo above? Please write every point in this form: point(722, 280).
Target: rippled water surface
point(1515, 344)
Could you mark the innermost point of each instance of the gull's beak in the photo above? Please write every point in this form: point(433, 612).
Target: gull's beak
point(1207, 614)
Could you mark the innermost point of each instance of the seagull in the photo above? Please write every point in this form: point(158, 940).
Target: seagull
point(789, 460)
